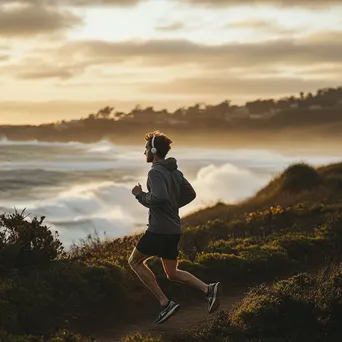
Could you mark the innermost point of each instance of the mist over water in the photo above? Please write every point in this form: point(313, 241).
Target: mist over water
point(85, 187)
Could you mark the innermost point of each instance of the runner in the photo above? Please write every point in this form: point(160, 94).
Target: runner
point(168, 190)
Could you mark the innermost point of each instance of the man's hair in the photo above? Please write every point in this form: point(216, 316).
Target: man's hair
point(161, 142)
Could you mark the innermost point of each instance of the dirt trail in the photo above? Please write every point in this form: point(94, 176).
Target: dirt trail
point(187, 317)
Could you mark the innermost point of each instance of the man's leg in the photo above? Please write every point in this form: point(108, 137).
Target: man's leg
point(174, 274)
point(137, 261)
point(212, 291)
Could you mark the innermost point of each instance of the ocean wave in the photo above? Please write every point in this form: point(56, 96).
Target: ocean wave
point(5, 141)
point(85, 187)
point(105, 206)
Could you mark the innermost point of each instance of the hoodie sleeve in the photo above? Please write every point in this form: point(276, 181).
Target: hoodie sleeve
point(158, 194)
point(187, 193)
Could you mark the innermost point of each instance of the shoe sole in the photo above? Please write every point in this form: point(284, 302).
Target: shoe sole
point(169, 314)
point(216, 302)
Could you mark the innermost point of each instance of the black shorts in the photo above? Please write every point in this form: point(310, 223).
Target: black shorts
point(162, 245)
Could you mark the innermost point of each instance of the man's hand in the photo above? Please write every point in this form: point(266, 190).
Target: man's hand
point(136, 189)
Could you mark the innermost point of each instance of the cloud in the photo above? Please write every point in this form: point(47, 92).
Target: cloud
point(35, 69)
point(4, 58)
point(97, 3)
point(177, 25)
point(324, 47)
point(262, 25)
point(76, 3)
point(266, 58)
point(221, 86)
point(52, 73)
point(185, 69)
point(21, 21)
point(311, 4)
point(329, 71)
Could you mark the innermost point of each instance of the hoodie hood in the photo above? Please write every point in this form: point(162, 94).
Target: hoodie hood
point(169, 163)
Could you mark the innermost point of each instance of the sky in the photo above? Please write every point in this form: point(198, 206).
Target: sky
point(65, 59)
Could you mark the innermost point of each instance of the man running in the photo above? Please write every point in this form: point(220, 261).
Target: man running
point(168, 190)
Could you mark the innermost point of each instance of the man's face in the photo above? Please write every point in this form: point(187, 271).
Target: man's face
point(149, 155)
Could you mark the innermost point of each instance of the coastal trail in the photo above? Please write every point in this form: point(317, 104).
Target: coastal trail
point(188, 316)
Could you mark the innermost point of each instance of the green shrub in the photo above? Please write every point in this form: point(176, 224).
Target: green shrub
point(65, 335)
point(92, 250)
point(46, 297)
point(296, 245)
point(300, 177)
point(195, 239)
point(220, 246)
point(334, 182)
point(62, 335)
point(240, 244)
point(25, 245)
point(138, 337)
point(328, 298)
point(221, 265)
point(192, 267)
point(262, 258)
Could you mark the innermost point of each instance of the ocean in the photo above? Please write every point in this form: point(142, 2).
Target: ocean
point(83, 188)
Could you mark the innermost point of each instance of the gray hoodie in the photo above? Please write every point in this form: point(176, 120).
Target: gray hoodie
point(168, 190)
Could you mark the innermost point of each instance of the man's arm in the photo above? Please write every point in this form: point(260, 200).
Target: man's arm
point(187, 193)
point(158, 194)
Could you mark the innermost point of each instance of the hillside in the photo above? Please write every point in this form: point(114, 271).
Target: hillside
point(291, 225)
point(298, 183)
point(261, 123)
